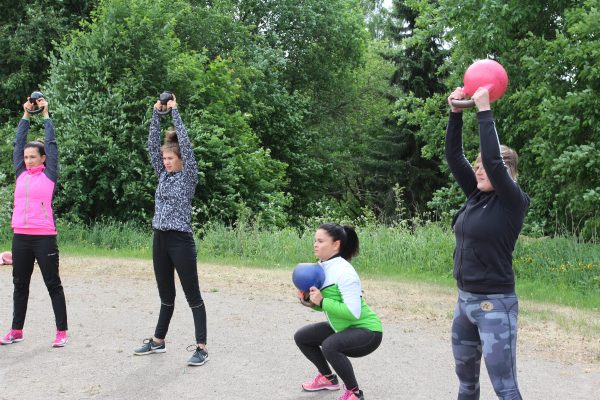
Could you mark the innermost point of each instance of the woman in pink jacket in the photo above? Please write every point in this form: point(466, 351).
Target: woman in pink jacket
point(34, 238)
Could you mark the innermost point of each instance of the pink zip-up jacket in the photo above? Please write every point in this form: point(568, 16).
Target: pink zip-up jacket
point(34, 191)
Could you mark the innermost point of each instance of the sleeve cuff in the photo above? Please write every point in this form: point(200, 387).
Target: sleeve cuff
point(484, 116)
point(456, 116)
point(322, 305)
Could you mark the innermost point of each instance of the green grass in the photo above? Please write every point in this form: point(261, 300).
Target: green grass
point(555, 270)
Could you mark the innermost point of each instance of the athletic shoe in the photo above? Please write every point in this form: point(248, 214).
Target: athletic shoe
point(61, 339)
point(149, 347)
point(320, 382)
point(13, 336)
point(350, 395)
point(200, 356)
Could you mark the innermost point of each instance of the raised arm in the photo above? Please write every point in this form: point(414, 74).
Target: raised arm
point(51, 148)
point(507, 190)
point(190, 168)
point(19, 145)
point(21, 140)
point(455, 156)
point(154, 143)
point(50, 145)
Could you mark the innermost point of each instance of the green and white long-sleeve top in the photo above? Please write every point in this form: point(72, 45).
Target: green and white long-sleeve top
point(342, 298)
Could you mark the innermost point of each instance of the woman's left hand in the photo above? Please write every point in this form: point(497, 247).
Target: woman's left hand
point(43, 103)
point(172, 103)
point(315, 296)
point(481, 97)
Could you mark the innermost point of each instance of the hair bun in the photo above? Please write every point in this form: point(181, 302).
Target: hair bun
point(171, 136)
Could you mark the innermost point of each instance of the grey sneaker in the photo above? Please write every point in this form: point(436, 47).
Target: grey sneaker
point(149, 347)
point(200, 356)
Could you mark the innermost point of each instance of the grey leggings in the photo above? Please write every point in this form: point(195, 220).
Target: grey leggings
point(486, 324)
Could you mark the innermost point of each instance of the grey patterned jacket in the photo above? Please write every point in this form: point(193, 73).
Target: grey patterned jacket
point(175, 191)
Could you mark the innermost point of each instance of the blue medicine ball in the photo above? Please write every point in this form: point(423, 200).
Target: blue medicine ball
point(306, 275)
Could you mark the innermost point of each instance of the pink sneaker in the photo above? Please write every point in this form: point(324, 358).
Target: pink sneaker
point(320, 382)
point(351, 395)
point(13, 336)
point(61, 339)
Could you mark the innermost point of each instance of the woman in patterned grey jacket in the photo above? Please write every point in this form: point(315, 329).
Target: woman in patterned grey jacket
point(173, 242)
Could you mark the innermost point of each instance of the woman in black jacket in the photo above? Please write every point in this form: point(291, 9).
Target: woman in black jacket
point(486, 230)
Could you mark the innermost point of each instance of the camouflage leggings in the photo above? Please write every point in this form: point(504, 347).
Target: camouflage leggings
point(486, 324)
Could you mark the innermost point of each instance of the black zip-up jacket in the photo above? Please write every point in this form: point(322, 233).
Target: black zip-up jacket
point(488, 225)
point(175, 190)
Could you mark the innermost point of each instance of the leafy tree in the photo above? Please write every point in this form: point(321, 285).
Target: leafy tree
point(396, 153)
point(305, 57)
point(550, 51)
point(28, 30)
point(109, 74)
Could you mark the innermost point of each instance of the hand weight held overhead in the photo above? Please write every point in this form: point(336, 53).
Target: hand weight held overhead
point(483, 73)
point(164, 98)
point(33, 100)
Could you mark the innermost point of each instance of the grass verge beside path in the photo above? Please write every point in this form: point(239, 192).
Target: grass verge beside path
point(556, 270)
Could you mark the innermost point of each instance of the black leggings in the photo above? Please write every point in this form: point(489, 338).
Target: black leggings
point(174, 250)
point(25, 250)
point(320, 344)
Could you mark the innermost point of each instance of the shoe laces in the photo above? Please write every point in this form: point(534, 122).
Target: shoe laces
point(317, 380)
point(11, 334)
point(194, 348)
point(348, 395)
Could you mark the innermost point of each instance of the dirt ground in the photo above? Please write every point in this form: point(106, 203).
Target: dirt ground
point(252, 316)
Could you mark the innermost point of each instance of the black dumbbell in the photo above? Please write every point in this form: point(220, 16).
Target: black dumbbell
point(33, 100)
point(164, 98)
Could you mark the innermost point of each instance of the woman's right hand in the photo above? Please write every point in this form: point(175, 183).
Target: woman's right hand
point(457, 94)
point(304, 299)
point(26, 106)
point(172, 104)
point(41, 102)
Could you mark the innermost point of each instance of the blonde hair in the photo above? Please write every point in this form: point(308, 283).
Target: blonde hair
point(171, 143)
point(510, 158)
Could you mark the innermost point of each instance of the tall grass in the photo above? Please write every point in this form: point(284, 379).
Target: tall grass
point(385, 251)
point(105, 239)
point(559, 270)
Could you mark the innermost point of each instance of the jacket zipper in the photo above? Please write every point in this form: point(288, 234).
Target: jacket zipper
point(26, 199)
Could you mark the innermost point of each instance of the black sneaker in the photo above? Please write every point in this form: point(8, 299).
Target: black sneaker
point(149, 347)
point(200, 356)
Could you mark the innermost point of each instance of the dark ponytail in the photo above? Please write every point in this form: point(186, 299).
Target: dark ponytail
point(347, 236)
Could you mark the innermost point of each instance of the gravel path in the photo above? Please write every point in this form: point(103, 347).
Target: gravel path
point(252, 316)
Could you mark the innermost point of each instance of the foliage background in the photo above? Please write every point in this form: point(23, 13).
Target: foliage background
point(304, 109)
